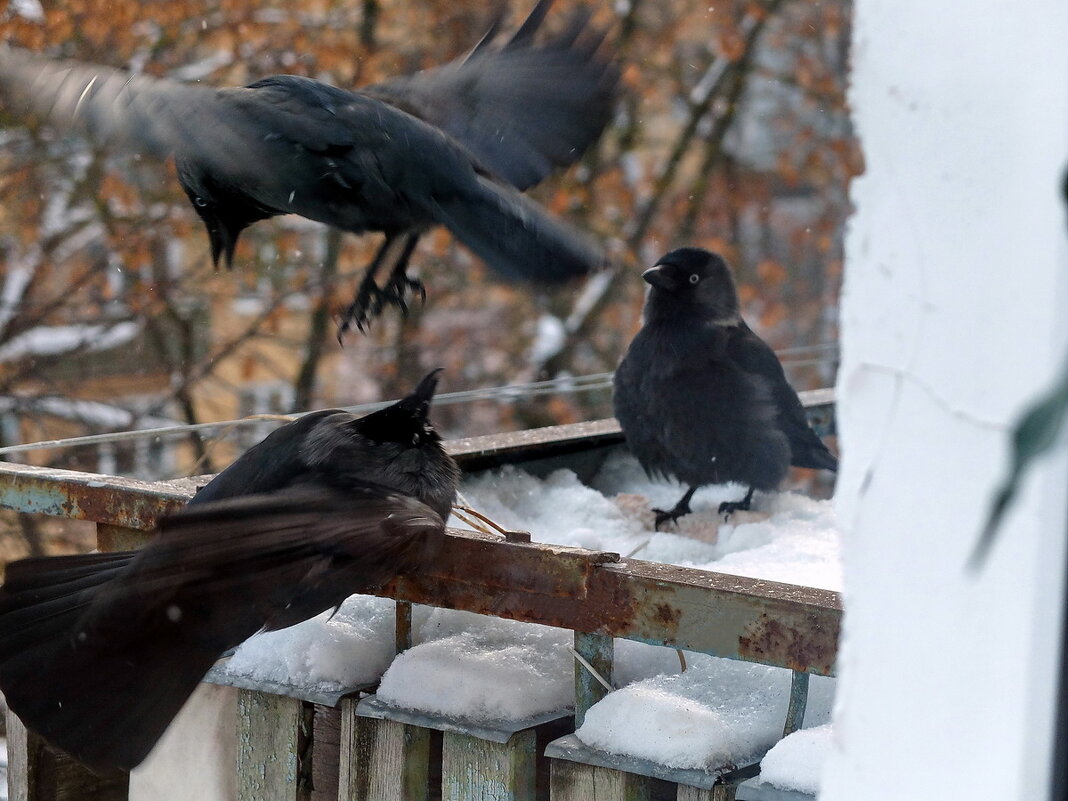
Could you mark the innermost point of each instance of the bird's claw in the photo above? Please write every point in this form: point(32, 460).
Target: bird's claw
point(661, 518)
point(372, 299)
point(665, 516)
point(727, 508)
point(396, 291)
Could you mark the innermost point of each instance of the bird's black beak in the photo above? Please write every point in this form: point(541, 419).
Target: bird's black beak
point(662, 276)
point(223, 243)
point(419, 401)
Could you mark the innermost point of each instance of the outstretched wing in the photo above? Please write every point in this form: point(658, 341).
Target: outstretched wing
point(521, 108)
point(232, 566)
point(233, 130)
point(137, 112)
point(106, 686)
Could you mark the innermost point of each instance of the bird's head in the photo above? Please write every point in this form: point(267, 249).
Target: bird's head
point(697, 278)
point(406, 421)
point(406, 451)
point(224, 214)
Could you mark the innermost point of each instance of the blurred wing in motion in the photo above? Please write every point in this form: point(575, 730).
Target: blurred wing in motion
point(99, 652)
point(521, 108)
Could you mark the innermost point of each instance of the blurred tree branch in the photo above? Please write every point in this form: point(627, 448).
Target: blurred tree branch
point(722, 79)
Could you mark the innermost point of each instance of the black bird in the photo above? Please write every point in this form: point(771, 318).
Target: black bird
point(449, 146)
point(703, 399)
point(98, 652)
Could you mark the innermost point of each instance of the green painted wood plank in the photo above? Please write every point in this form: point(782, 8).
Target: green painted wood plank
point(473, 769)
point(382, 760)
point(273, 736)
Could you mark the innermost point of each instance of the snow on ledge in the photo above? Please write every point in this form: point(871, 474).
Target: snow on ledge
point(490, 671)
point(719, 713)
point(796, 762)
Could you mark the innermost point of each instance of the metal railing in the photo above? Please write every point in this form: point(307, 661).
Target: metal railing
point(596, 595)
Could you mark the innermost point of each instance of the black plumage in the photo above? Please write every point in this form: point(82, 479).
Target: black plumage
point(98, 652)
point(703, 399)
point(449, 146)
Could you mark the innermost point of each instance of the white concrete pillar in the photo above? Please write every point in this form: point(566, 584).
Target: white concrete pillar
point(954, 315)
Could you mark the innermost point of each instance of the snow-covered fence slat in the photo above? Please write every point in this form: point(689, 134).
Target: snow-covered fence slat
point(591, 593)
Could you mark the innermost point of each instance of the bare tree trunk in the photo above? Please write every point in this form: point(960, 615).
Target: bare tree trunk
point(304, 386)
point(186, 357)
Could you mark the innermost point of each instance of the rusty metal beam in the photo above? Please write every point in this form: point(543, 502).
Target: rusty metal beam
point(696, 610)
point(111, 500)
point(591, 592)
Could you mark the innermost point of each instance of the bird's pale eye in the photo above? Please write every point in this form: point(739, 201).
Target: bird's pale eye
point(415, 439)
point(694, 278)
point(199, 201)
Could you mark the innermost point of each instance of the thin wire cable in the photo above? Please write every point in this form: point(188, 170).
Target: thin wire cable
point(505, 394)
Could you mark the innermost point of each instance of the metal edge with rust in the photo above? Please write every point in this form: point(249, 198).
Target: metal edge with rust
point(760, 621)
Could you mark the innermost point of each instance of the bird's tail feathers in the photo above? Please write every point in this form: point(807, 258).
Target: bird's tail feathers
point(43, 597)
point(816, 457)
point(55, 683)
point(516, 237)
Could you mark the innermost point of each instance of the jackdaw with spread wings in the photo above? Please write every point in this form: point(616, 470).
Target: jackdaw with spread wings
point(703, 399)
point(98, 652)
point(446, 146)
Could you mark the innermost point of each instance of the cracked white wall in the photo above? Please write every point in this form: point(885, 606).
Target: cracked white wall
point(954, 314)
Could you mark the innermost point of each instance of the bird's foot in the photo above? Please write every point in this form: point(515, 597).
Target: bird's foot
point(681, 508)
point(727, 508)
point(371, 299)
point(670, 515)
point(396, 291)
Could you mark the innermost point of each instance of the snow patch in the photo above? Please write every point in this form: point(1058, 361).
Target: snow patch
point(549, 338)
point(16, 279)
point(327, 653)
point(29, 10)
point(53, 340)
point(796, 761)
point(719, 712)
point(490, 670)
point(483, 668)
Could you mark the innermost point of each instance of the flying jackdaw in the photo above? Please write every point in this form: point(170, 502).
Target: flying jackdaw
point(98, 652)
point(703, 399)
point(446, 146)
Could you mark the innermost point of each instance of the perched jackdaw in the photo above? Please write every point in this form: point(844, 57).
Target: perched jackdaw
point(98, 652)
point(703, 399)
point(447, 146)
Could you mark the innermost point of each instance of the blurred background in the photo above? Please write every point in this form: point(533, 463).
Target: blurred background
point(731, 132)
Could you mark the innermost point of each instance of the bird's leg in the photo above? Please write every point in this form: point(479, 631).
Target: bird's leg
point(370, 298)
point(368, 301)
point(399, 283)
point(680, 509)
point(727, 508)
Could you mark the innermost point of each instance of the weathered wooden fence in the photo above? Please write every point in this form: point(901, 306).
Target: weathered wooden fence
point(290, 744)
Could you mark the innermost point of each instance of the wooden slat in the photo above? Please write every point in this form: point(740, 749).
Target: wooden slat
point(473, 769)
point(38, 772)
point(382, 760)
point(273, 735)
point(326, 750)
point(720, 792)
point(572, 781)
